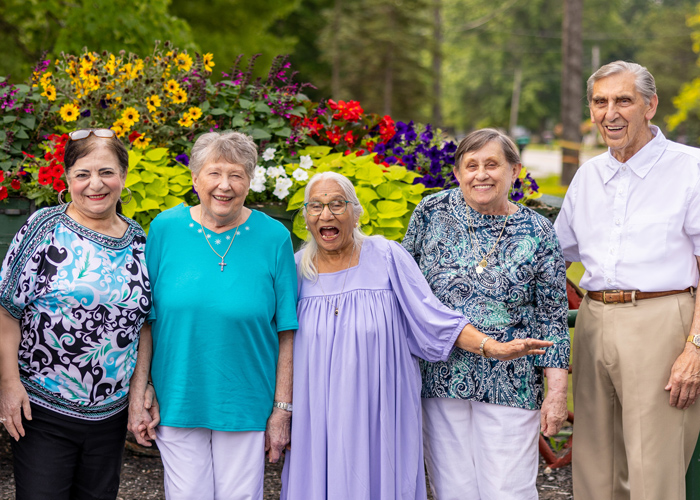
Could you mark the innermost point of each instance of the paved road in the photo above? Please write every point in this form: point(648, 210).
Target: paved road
point(546, 162)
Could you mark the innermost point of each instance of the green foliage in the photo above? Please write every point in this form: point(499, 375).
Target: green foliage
point(156, 183)
point(388, 195)
point(29, 28)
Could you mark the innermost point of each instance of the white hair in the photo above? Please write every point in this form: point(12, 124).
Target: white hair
point(643, 79)
point(310, 248)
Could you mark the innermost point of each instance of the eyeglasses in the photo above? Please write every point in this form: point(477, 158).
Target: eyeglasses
point(337, 207)
point(105, 133)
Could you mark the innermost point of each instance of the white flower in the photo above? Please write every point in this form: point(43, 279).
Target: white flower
point(300, 174)
point(258, 184)
point(306, 161)
point(259, 171)
point(269, 154)
point(275, 171)
point(282, 187)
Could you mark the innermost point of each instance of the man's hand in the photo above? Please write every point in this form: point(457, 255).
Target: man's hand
point(684, 382)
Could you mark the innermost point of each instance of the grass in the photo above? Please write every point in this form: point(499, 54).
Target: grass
point(551, 185)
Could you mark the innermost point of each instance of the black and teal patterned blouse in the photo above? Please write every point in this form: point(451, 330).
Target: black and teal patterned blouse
point(521, 293)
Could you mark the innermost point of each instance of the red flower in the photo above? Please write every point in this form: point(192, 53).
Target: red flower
point(334, 135)
point(59, 185)
point(133, 136)
point(387, 128)
point(56, 170)
point(311, 125)
point(370, 146)
point(3, 192)
point(45, 176)
point(349, 138)
point(2, 175)
point(28, 155)
point(15, 183)
point(350, 111)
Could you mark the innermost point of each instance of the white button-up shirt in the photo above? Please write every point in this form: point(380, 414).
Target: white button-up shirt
point(635, 225)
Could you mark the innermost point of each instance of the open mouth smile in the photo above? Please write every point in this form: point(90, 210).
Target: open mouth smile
point(329, 232)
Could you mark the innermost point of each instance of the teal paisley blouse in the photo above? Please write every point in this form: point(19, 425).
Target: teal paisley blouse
point(521, 293)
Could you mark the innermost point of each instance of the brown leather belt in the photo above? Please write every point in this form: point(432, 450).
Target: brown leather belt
point(624, 296)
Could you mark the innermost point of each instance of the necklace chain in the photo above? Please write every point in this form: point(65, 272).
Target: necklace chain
point(204, 233)
point(481, 265)
point(344, 281)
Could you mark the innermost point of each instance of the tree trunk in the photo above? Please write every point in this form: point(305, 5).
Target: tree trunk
point(437, 63)
point(389, 64)
point(515, 100)
point(571, 86)
point(335, 75)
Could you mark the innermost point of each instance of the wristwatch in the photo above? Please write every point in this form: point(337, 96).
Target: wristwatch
point(288, 406)
point(694, 339)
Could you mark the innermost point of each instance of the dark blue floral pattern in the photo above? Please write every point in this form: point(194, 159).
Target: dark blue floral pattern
point(521, 293)
point(80, 298)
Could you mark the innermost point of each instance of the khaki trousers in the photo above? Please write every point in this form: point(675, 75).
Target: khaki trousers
point(629, 443)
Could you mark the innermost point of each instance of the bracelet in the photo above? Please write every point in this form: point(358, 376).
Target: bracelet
point(283, 406)
point(481, 346)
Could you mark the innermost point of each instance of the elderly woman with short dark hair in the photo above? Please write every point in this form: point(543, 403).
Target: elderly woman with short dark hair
point(499, 264)
point(219, 345)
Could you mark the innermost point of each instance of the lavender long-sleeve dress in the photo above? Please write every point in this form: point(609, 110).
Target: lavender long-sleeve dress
point(356, 426)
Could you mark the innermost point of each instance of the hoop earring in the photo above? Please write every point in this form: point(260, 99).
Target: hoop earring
point(130, 196)
point(61, 201)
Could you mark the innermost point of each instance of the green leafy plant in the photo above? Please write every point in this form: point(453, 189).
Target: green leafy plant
point(387, 194)
point(156, 183)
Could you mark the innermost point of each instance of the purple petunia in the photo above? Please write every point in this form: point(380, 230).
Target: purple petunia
point(183, 158)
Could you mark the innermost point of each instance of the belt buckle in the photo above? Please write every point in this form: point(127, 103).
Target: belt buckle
point(611, 291)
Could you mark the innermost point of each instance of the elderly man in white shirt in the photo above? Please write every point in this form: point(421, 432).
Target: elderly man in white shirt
point(632, 217)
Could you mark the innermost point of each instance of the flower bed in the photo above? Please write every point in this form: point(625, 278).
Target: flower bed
point(159, 104)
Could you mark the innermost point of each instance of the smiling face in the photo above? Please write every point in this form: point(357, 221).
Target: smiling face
point(333, 233)
point(621, 115)
point(485, 177)
point(95, 183)
point(222, 188)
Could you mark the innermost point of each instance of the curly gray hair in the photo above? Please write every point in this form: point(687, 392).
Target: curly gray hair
point(230, 146)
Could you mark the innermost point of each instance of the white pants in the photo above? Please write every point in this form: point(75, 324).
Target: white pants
point(480, 451)
point(212, 465)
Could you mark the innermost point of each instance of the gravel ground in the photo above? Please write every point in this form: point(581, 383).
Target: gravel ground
point(142, 478)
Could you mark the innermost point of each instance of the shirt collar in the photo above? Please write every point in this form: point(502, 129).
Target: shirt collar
point(643, 161)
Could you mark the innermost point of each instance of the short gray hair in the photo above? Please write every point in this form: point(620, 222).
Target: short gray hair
point(232, 147)
point(310, 247)
point(643, 80)
point(480, 138)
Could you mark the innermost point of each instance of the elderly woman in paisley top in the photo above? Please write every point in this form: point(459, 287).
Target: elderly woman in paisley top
point(500, 265)
point(221, 330)
point(365, 314)
point(74, 293)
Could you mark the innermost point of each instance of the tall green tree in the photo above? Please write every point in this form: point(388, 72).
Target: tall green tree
point(29, 28)
point(228, 28)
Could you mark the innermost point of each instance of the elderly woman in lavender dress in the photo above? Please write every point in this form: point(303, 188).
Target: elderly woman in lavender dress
point(365, 313)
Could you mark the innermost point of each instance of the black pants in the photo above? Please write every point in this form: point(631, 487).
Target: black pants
point(63, 458)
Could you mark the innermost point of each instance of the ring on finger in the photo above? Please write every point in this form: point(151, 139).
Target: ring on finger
point(3, 420)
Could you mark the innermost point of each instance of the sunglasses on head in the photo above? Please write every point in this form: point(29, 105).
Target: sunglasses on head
point(105, 133)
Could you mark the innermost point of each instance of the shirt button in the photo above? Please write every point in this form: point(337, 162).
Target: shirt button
point(620, 192)
point(624, 168)
point(609, 280)
point(618, 221)
point(612, 251)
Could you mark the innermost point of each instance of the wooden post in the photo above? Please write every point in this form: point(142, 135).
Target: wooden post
point(571, 88)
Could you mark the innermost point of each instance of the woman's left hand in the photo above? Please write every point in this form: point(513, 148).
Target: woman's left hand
point(515, 348)
point(554, 411)
point(278, 433)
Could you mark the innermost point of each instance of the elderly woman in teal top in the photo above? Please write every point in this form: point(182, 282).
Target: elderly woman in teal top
point(500, 265)
point(224, 311)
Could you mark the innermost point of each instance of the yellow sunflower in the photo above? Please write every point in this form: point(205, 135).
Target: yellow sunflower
point(120, 128)
point(179, 96)
point(152, 103)
point(141, 142)
point(185, 121)
point(130, 116)
point(71, 70)
point(208, 61)
point(172, 86)
point(183, 62)
point(92, 83)
point(195, 113)
point(45, 79)
point(111, 65)
point(69, 112)
point(49, 92)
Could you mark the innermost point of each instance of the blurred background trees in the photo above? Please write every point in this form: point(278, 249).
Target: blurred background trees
point(454, 63)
